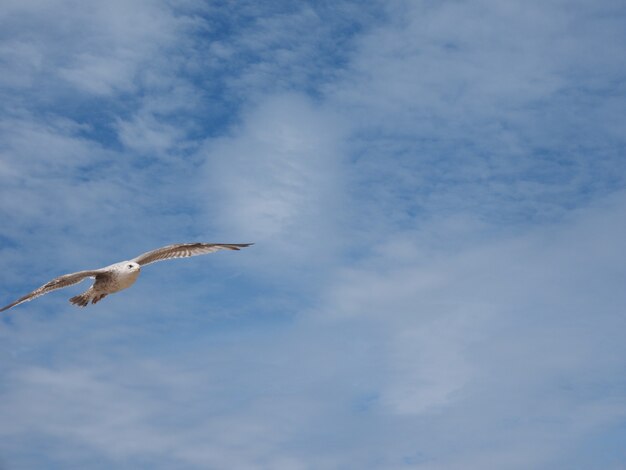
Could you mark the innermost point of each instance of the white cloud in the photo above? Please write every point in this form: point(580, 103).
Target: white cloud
point(455, 112)
point(96, 49)
point(277, 180)
point(147, 135)
point(496, 339)
point(469, 347)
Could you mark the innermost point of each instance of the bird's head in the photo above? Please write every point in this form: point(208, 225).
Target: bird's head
point(131, 266)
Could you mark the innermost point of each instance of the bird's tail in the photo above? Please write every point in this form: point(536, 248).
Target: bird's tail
point(89, 295)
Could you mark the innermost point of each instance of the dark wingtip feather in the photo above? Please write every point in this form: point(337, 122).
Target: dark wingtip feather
point(237, 246)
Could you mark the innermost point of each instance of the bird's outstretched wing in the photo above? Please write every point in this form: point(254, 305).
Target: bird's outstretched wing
point(56, 283)
point(184, 250)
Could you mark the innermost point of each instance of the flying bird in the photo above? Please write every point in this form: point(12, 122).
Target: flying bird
point(122, 275)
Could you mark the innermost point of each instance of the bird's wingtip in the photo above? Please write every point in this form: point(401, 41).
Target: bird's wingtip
point(237, 246)
point(7, 307)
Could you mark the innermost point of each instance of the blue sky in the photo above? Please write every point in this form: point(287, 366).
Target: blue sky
point(437, 196)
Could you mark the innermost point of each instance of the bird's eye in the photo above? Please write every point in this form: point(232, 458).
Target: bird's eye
point(130, 266)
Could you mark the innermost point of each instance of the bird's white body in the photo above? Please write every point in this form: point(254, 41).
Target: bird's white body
point(119, 276)
point(123, 275)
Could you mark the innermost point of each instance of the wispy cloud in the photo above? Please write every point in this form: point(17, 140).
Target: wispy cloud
point(274, 180)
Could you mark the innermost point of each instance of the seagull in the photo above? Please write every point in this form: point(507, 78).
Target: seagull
point(122, 275)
